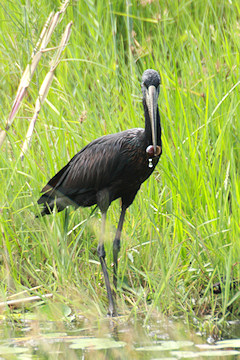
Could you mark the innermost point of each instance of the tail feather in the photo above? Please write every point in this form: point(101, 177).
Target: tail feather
point(52, 198)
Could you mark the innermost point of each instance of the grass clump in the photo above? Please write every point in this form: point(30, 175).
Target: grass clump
point(181, 234)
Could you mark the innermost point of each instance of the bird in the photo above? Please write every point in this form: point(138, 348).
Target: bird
point(110, 167)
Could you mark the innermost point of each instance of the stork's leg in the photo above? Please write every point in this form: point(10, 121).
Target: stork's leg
point(102, 254)
point(116, 246)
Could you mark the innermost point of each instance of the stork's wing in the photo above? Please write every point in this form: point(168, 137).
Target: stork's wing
point(95, 166)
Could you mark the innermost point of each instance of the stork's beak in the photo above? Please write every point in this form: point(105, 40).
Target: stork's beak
point(151, 100)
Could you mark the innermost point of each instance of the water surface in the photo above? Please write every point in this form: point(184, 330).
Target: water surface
point(120, 338)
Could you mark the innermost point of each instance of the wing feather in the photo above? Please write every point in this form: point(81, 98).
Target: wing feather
point(94, 166)
point(97, 166)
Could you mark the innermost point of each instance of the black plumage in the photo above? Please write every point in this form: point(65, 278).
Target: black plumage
point(113, 166)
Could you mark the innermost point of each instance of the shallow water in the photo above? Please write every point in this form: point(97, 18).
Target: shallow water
point(118, 338)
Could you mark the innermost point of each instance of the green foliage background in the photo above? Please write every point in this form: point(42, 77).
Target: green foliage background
point(181, 235)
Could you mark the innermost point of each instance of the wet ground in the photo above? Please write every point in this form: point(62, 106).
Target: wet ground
point(121, 338)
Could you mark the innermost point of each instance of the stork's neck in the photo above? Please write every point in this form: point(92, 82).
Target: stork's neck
point(148, 130)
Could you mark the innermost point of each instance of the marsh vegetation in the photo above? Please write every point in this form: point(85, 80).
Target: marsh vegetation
point(180, 242)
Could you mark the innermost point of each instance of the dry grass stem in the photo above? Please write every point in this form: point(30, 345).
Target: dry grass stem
point(43, 40)
point(20, 302)
point(45, 88)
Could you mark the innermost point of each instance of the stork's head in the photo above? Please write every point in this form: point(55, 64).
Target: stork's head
point(150, 88)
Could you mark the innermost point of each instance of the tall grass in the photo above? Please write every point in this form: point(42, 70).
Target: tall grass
point(181, 235)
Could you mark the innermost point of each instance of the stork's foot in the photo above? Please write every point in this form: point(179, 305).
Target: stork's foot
point(112, 313)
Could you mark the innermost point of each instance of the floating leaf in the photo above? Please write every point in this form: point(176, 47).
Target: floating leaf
point(11, 350)
point(166, 345)
point(25, 357)
point(199, 354)
point(96, 343)
point(229, 343)
point(165, 358)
